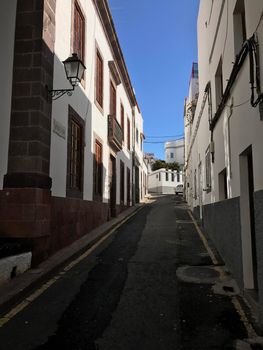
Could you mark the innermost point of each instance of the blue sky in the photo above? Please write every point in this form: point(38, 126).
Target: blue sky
point(158, 40)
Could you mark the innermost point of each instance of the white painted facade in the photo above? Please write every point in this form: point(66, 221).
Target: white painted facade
point(189, 112)
point(174, 151)
point(38, 155)
point(141, 178)
point(242, 122)
point(232, 140)
point(164, 181)
point(83, 102)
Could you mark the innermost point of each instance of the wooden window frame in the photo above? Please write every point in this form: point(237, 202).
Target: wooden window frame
point(98, 172)
point(76, 6)
point(122, 120)
point(137, 135)
point(99, 80)
point(128, 134)
point(113, 104)
point(239, 25)
point(71, 191)
point(219, 88)
point(208, 177)
point(128, 172)
point(222, 185)
point(122, 182)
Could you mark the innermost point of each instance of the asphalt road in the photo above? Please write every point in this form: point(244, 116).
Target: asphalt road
point(128, 295)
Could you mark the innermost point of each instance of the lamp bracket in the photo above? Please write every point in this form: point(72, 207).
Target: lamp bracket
point(56, 94)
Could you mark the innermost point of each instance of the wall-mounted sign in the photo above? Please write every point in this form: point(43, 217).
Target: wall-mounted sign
point(59, 129)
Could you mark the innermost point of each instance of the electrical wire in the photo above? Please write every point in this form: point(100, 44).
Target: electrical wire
point(260, 19)
point(240, 104)
point(161, 137)
point(159, 141)
point(249, 48)
point(226, 30)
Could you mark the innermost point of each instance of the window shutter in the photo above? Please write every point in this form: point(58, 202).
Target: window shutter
point(112, 99)
point(99, 79)
point(79, 30)
point(122, 121)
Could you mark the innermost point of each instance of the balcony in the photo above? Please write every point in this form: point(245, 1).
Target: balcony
point(115, 133)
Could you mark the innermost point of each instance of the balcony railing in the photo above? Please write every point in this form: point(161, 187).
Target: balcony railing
point(115, 133)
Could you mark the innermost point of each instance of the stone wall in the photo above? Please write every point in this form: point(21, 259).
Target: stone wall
point(29, 143)
point(221, 221)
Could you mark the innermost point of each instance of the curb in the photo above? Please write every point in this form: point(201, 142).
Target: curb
point(13, 292)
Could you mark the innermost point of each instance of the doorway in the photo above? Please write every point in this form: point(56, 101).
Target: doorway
point(200, 190)
point(247, 216)
point(137, 185)
point(112, 186)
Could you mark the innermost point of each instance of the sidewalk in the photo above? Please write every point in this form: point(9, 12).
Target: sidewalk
point(213, 309)
point(14, 291)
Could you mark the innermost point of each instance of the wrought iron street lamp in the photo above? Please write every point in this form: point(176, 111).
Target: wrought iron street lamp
point(74, 69)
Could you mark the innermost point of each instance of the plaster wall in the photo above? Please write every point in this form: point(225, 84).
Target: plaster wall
point(157, 181)
point(215, 43)
point(83, 102)
point(240, 127)
point(177, 149)
point(138, 149)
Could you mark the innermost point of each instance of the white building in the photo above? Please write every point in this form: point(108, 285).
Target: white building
point(70, 164)
point(163, 181)
point(224, 168)
point(140, 168)
point(174, 151)
point(189, 112)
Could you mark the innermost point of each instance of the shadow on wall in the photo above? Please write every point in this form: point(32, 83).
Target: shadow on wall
point(72, 216)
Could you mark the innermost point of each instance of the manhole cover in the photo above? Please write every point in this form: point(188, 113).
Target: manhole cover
point(198, 274)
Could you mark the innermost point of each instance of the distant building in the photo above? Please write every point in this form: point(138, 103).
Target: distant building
point(174, 151)
point(163, 181)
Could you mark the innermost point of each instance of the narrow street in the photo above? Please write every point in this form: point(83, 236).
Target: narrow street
point(148, 286)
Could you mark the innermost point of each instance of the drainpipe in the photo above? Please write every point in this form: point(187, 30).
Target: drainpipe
point(229, 138)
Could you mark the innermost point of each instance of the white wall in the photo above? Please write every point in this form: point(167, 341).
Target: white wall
point(83, 102)
point(138, 148)
point(7, 36)
point(157, 181)
point(177, 150)
point(215, 42)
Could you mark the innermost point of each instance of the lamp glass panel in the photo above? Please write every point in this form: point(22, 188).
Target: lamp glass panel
point(71, 69)
point(81, 71)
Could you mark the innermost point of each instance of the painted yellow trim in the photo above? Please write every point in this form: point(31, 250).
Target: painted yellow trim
point(204, 240)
